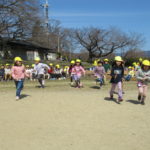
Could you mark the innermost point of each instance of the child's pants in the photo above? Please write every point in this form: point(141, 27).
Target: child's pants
point(19, 87)
point(41, 79)
point(143, 90)
point(119, 85)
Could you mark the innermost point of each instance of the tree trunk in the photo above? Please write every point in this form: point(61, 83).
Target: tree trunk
point(90, 59)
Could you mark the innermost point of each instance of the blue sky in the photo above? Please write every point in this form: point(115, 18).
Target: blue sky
point(127, 15)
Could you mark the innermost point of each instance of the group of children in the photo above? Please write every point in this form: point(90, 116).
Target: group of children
point(141, 71)
point(5, 72)
point(101, 68)
point(52, 73)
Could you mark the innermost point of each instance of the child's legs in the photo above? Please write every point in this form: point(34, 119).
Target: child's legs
point(19, 87)
point(104, 79)
point(145, 88)
point(113, 86)
point(71, 78)
point(40, 79)
point(141, 90)
point(77, 80)
point(120, 86)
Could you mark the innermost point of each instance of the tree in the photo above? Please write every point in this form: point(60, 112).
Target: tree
point(102, 42)
point(17, 18)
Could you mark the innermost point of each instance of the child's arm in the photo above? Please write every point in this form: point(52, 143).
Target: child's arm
point(139, 77)
point(83, 71)
point(13, 73)
point(148, 77)
point(104, 73)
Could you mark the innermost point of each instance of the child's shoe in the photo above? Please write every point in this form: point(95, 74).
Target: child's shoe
point(143, 100)
point(17, 97)
point(120, 99)
point(111, 97)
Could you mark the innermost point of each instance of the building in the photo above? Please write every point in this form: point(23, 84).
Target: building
point(26, 50)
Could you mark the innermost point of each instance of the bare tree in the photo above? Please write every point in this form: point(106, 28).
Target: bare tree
point(102, 42)
point(17, 17)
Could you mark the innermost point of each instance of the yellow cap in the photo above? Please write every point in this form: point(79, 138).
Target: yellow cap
point(146, 63)
point(72, 62)
point(78, 61)
point(134, 63)
point(106, 59)
point(7, 64)
point(130, 67)
point(17, 59)
point(58, 66)
point(118, 58)
point(27, 66)
point(66, 67)
point(140, 59)
point(33, 65)
point(51, 64)
point(95, 63)
point(37, 59)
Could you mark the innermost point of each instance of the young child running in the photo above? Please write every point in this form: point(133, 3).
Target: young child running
point(18, 74)
point(143, 77)
point(99, 73)
point(77, 72)
point(72, 63)
point(39, 68)
point(117, 74)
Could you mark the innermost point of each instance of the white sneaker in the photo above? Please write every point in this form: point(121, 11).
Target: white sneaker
point(17, 98)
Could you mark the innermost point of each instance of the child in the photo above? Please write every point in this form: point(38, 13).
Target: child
point(117, 74)
point(143, 77)
point(39, 68)
point(2, 72)
point(18, 74)
point(72, 63)
point(99, 72)
point(130, 74)
point(107, 69)
point(106, 65)
point(7, 72)
point(28, 72)
point(51, 71)
point(77, 72)
point(58, 72)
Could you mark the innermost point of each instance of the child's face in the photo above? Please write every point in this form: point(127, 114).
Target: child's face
point(78, 64)
point(99, 64)
point(106, 62)
point(19, 63)
point(118, 63)
point(146, 68)
point(36, 62)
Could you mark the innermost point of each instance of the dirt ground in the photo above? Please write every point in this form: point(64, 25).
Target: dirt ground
point(63, 118)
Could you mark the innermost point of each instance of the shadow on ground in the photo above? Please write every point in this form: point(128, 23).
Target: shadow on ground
point(95, 87)
point(24, 96)
point(114, 100)
point(133, 102)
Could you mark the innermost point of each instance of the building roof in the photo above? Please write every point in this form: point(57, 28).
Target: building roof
point(26, 44)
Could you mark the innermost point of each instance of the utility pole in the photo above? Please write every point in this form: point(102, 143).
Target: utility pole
point(46, 19)
point(58, 44)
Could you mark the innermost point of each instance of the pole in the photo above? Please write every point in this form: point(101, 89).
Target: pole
point(58, 44)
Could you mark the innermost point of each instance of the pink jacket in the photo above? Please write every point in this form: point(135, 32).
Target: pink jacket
point(78, 70)
point(99, 72)
point(18, 72)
